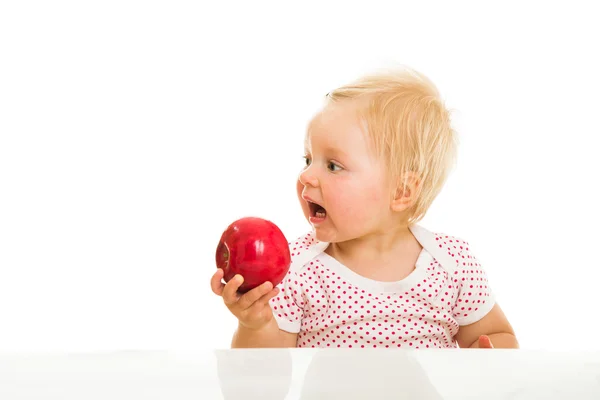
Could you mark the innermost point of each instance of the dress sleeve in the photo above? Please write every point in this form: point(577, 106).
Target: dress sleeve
point(288, 305)
point(475, 297)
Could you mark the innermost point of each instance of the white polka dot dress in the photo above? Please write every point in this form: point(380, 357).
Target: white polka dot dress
point(330, 306)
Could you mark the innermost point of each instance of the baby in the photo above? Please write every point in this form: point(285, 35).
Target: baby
point(367, 275)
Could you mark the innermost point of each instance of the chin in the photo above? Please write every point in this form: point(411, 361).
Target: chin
point(323, 235)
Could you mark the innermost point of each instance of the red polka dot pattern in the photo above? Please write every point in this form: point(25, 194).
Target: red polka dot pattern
point(329, 311)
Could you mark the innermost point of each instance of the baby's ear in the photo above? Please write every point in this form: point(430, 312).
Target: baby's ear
point(406, 192)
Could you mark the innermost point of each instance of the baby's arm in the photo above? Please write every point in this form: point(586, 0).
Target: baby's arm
point(257, 326)
point(495, 325)
point(269, 336)
point(476, 310)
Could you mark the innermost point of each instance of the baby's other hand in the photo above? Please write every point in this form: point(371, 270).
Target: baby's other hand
point(485, 342)
point(252, 309)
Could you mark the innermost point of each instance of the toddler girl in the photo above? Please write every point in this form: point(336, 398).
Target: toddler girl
point(367, 275)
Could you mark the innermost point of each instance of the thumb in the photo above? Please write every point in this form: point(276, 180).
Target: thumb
point(485, 342)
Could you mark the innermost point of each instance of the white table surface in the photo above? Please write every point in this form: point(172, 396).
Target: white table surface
point(302, 374)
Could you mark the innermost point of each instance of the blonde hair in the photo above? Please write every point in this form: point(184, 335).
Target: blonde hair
point(409, 126)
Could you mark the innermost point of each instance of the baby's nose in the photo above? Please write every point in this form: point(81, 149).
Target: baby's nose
point(308, 178)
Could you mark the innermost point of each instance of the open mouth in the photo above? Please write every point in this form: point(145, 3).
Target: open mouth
point(316, 211)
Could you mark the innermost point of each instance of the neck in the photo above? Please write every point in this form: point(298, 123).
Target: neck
point(375, 246)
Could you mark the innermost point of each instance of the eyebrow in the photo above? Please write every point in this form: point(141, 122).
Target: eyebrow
point(335, 152)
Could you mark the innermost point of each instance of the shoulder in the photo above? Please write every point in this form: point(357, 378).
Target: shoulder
point(302, 244)
point(304, 249)
point(449, 250)
point(455, 246)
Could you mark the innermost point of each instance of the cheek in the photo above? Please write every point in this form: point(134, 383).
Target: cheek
point(375, 193)
point(359, 201)
point(349, 203)
point(376, 196)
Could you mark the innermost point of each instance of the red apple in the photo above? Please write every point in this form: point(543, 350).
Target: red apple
point(256, 249)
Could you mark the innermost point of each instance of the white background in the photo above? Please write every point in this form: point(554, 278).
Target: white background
point(133, 133)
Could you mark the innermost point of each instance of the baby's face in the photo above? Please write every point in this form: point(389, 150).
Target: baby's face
point(343, 189)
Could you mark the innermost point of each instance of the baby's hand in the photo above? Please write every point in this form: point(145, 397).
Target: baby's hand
point(252, 309)
point(485, 342)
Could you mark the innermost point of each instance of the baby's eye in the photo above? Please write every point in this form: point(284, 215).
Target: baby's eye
point(306, 161)
point(333, 167)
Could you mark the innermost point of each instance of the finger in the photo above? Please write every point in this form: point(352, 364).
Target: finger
point(230, 294)
point(249, 298)
point(485, 342)
point(215, 282)
point(267, 297)
point(260, 306)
